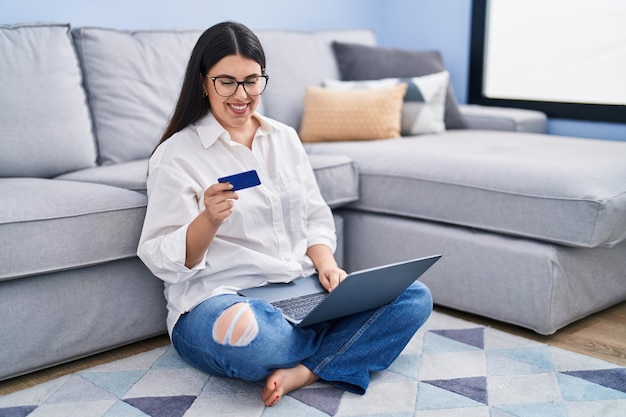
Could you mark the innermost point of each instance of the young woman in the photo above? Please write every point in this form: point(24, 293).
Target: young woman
point(206, 241)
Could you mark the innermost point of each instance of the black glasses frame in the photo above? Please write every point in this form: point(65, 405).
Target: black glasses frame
point(240, 83)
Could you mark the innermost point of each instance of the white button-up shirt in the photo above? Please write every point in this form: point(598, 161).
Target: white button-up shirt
point(266, 237)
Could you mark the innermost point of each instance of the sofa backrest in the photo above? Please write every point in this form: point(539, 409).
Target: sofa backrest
point(296, 60)
point(45, 127)
point(71, 100)
point(133, 79)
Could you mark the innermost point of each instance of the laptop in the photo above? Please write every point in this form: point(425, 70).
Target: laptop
point(305, 302)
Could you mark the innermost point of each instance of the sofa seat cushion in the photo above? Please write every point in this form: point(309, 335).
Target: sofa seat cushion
point(52, 225)
point(337, 176)
point(557, 189)
point(129, 175)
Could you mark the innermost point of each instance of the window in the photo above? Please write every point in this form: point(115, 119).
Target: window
point(566, 58)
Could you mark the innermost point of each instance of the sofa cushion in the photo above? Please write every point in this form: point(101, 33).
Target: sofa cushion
point(352, 114)
point(336, 175)
point(133, 80)
point(424, 102)
point(67, 224)
point(363, 62)
point(563, 190)
point(296, 60)
point(129, 175)
point(44, 119)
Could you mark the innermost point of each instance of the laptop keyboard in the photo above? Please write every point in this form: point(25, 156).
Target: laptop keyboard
point(298, 307)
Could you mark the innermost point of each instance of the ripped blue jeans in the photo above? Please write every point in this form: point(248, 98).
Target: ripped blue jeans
point(247, 338)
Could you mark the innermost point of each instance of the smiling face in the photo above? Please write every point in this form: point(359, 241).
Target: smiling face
point(232, 112)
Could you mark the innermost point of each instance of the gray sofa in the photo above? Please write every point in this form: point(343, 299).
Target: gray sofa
point(531, 226)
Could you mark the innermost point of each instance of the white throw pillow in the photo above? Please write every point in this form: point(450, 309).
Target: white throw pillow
point(424, 102)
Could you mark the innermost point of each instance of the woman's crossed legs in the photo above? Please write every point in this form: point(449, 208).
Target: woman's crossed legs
point(228, 335)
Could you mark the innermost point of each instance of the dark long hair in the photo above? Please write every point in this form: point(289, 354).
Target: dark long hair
point(217, 42)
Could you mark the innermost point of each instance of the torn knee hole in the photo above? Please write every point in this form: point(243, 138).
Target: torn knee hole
point(236, 326)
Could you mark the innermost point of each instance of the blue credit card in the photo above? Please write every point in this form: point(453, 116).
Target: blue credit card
point(242, 180)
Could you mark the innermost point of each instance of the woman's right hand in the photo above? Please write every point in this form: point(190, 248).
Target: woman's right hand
point(218, 202)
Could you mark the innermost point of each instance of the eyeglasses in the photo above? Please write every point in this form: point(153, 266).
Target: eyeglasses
point(226, 86)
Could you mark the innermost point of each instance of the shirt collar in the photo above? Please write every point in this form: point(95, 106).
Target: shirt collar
point(210, 130)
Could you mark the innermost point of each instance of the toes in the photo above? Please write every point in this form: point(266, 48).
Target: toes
point(273, 401)
point(269, 394)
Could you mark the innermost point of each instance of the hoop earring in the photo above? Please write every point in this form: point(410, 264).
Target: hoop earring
point(204, 94)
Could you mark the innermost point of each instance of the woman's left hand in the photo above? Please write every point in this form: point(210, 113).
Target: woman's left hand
point(331, 277)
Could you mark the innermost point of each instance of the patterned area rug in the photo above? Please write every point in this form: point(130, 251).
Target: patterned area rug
point(451, 368)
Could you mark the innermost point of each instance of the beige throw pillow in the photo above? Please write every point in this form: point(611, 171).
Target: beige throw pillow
point(332, 115)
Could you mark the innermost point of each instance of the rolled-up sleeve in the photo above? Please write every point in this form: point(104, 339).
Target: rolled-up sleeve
point(320, 222)
point(173, 205)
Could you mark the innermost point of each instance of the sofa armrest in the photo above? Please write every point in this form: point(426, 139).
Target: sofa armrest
point(503, 118)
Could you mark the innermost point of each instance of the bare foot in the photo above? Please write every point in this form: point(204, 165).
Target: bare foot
point(283, 381)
